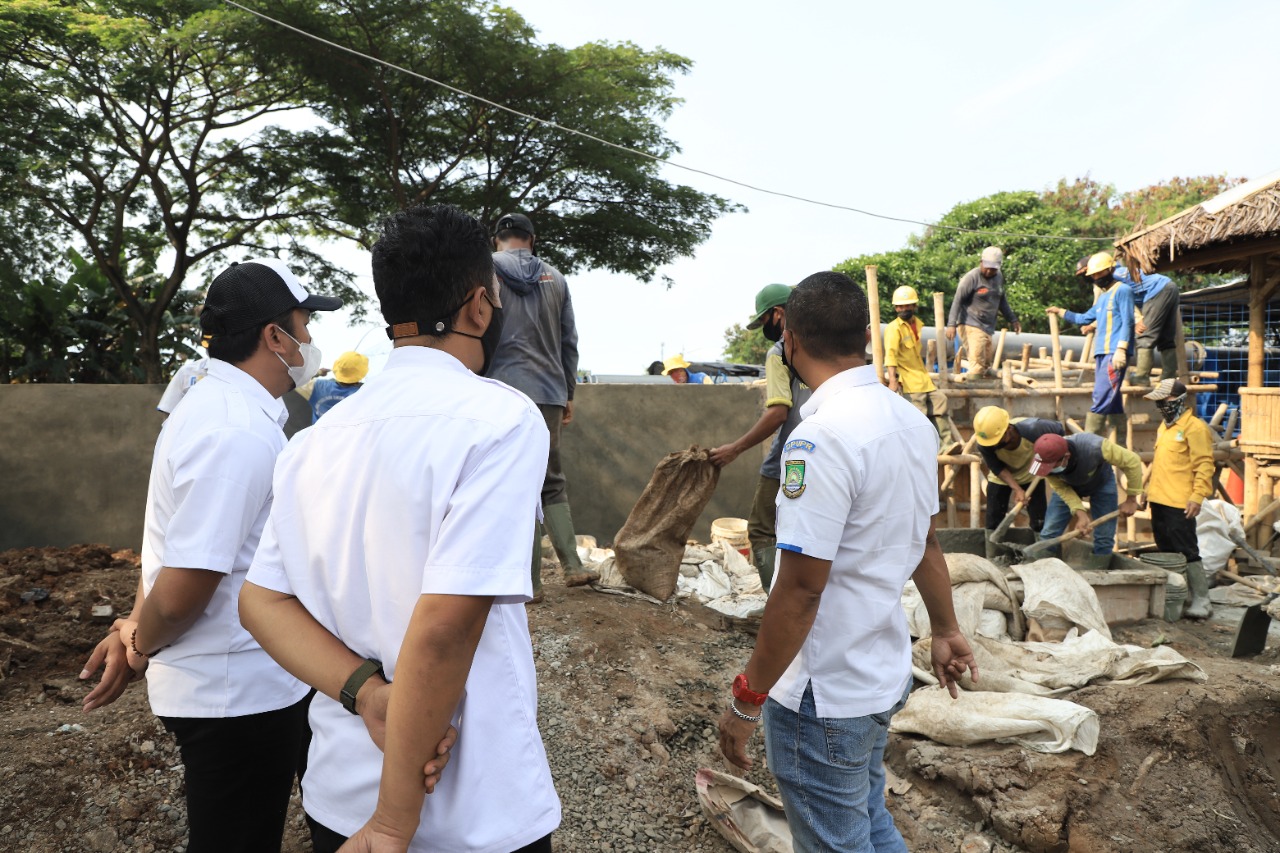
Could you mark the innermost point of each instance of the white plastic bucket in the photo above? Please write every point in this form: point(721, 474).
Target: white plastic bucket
point(1175, 594)
point(733, 532)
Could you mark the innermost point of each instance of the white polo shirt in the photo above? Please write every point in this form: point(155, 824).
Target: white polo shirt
point(207, 502)
point(426, 482)
point(859, 485)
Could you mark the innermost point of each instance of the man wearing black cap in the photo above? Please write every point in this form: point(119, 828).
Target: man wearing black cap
point(239, 719)
point(538, 354)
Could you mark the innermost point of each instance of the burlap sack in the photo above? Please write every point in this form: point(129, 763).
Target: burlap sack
point(650, 544)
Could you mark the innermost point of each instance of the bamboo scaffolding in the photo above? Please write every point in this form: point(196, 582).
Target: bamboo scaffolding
point(873, 303)
point(1057, 365)
point(940, 336)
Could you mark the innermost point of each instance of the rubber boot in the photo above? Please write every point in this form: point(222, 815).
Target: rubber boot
point(764, 555)
point(1198, 587)
point(1116, 422)
point(1141, 374)
point(560, 528)
point(1169, 363)
point(1095, 423)
point(535, 566)
point(944, 433)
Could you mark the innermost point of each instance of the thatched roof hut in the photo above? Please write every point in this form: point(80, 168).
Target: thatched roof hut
point(1222, 234)
point(1237, 231)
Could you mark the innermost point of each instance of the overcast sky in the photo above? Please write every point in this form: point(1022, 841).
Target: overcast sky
point(905, 109)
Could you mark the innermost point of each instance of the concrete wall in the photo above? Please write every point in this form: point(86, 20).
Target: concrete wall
point(620, 433)
point(76, 458)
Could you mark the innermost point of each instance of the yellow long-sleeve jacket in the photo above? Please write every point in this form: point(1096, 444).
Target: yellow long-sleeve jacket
point(1182, 467)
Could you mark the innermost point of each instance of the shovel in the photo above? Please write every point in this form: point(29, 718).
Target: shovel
point(1251, 634)
point(1037, 548)
point(1263, 560)
point(997, 535)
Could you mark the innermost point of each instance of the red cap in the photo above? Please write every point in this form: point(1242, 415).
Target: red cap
point(1050, 449)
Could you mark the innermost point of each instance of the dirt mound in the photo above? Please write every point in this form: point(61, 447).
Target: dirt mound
point(628, 698)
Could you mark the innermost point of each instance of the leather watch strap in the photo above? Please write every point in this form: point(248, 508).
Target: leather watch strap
point(363, 673)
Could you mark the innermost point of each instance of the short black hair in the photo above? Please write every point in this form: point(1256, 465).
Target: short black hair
point(237, 347)
point(656, 368)
point(513, 234)
point(425, 263)
point(829, 313)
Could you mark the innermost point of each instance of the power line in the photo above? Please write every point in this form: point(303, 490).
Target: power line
point(645, 154)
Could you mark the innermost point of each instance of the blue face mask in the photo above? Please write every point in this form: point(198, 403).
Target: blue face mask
point(1059, 469)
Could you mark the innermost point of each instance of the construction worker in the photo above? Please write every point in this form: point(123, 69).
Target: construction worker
point(349, 371)
point(1007, 446)
point(1179, 481)
point(784, 395)
point(1113, 312)
point(904, 364)
point(1155, 299)
point(980, 295)
point(677, 369)
point(1079, 466)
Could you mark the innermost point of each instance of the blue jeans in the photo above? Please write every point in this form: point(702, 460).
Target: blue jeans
point(1101, 502)
point(830, 772)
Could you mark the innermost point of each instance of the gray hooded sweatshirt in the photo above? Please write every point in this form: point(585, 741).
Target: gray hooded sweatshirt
point(538, 351)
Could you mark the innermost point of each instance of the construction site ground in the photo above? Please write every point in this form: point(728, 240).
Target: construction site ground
point(629, 694)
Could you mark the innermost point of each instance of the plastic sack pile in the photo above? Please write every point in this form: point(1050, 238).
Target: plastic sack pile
point(715, 575)
point(1015, 699)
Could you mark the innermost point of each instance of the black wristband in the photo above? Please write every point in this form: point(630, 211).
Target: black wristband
point(363, 673)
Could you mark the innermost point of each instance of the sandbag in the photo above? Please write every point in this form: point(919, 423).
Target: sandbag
point(1218, 527)
point(650, 545)
point(749, 818)
point(1055, 594)
point(1037, 723)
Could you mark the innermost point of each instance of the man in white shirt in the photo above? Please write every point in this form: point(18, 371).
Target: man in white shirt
point(832, 662)
point(239, 719)
point(400, 535)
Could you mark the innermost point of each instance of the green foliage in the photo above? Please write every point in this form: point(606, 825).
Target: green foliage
point(1037, 272)
point(393, 140)
point(154, 150)
point(69, 326)
point(745, 346)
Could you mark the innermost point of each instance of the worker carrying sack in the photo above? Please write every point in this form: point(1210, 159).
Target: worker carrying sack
point(650, 544)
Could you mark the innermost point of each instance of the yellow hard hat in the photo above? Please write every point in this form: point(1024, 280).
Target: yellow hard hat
point(675, 361)
point(1100, 262)
point(905, 295)
point(990, 425)
point(350, 367)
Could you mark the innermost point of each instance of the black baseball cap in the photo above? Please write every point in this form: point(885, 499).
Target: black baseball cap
point(253, 292)
point(514, 222)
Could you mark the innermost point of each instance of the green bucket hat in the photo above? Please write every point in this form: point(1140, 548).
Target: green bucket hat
point(767, 299)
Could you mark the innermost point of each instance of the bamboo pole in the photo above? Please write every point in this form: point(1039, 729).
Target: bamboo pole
point(1057, 364)
point(1262, 514)
point(931, 355)
point(1026, 355)
point(975, 495)
point(939, 326)
point(1086, 352)
point(1006, 381)
point(995, 362)
point(1131, 525)
point(873, 302)
point(1266, 490)
point(963, 393)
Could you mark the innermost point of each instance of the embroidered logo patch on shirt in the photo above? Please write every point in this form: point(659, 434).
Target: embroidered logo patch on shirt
point(798, 444)
point(793, 479)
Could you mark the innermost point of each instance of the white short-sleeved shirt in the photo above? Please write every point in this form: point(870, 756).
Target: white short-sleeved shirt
point(859, 486)
point(207, 502)
point(427, 481)
point(183, 381)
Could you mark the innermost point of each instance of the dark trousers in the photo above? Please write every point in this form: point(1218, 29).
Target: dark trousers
point(998, 505)
point(239, 775)
point(1174, 532)
point(325, 840)
point(554, 489)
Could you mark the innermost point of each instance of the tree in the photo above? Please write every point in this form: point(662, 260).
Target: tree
point(155, 149)
point(393, 140)
point(1037, 272)
point(745, 346)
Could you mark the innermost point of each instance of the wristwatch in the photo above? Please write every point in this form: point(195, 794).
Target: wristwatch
point(363, 673)
point(743, 692)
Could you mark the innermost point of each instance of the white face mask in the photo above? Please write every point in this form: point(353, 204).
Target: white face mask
point(303, 373)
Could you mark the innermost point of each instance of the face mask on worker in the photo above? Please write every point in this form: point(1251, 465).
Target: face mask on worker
point(1058, 470)
point(303, 373)
point(1171, 410)
point(772, 330)
point(906, 314)
point(1105, 281)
